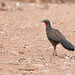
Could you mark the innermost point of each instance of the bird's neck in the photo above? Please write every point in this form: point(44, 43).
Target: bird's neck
point(48, 29)
point(48, 25)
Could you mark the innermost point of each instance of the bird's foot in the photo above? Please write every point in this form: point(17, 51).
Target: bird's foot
point(54, 53)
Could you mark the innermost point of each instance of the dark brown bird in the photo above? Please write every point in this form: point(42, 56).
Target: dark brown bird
point(56, 37)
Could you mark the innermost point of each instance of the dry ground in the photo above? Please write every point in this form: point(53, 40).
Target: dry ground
point(24, 47)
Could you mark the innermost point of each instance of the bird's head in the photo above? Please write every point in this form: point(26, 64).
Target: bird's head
point(46, 21)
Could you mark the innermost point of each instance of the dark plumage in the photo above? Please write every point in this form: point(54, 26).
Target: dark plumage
point(66, 44)
point(55, 37)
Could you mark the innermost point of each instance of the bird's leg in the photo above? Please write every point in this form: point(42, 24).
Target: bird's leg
point(54, 52)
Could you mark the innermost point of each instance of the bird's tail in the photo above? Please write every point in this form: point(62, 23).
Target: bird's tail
point(66, 44)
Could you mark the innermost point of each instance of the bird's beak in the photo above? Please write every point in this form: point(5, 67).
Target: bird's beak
point(42, 21)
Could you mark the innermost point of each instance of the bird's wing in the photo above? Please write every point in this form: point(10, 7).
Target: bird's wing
point(55, 35)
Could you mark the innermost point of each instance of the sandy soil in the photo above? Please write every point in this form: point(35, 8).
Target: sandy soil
point(24, 47)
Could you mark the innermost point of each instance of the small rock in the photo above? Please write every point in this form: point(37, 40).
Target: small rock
point(73, 57)
point(19, 8)
point(1, 32)
point(23, 74)
point(21, 59)
point(28, 69)
point(24, 46)
point(21, 52)
point(1, 45)
point(18, 4)
point(0, 69)
point(3, 4)
point(10, 62)
point(5, 24)
point(38, 66)
point(19, 74)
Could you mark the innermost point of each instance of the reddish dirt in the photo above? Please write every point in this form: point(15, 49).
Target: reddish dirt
point(24, 47)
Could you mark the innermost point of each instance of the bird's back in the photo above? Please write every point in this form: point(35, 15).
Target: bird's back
point(54, 34)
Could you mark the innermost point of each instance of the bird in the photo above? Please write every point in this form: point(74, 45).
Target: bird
point(56, 37)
